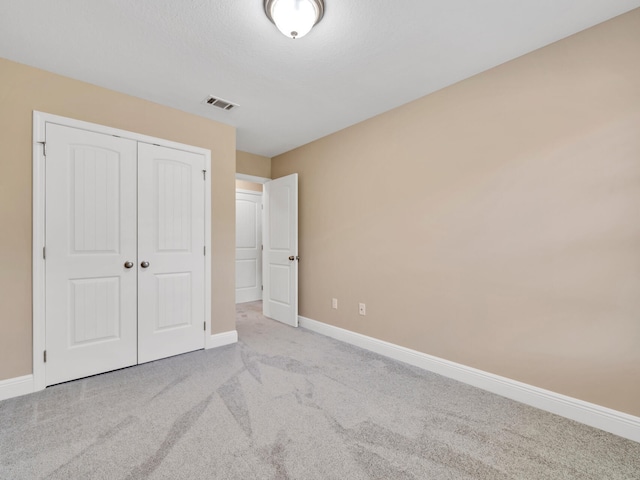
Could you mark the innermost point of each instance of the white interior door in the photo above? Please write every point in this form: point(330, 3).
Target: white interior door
point(171, 240)
point(280, 256)
point(90, 230)
point(248, 247)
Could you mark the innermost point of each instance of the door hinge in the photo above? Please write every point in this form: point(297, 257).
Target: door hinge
point(44, 148)
point(204, 250)
point(262, 287)
point(205, 326)
point(204, 174)
point(45, 356)
point(44, 253)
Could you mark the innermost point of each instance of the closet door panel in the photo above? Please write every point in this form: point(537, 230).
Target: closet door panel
point(171, 295)
point(90, 231)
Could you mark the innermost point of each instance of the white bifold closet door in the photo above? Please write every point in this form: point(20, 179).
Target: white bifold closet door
point(171, 241)
point(124, 253)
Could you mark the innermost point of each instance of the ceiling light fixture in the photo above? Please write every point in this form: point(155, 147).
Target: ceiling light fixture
point(294, 18)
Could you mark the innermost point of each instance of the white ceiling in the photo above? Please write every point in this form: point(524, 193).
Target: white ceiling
point(365, 57)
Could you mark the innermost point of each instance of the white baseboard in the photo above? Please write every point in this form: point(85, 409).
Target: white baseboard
point(613, 421)
point(222, 339)
point(14, 387)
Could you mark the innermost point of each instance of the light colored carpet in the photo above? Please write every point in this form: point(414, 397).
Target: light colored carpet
point(287, 403)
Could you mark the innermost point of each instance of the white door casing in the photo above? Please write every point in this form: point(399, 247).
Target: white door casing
point(280, 255)
point(171, 237)
point(97, 183)
point(248, 246)
point(91, 233)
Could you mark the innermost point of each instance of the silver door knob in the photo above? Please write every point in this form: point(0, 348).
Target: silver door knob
point(292, 258)
point(144, 264)
point(128, 264)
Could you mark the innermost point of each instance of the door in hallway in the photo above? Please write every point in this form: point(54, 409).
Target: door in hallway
point(248, 247)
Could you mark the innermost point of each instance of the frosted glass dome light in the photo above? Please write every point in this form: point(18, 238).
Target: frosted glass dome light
point(294, 18)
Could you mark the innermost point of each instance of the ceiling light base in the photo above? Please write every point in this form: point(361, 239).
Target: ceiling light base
point(294, 18)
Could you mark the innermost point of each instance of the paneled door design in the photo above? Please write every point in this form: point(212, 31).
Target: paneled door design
point(125, 260)
point(248, 247)
point(170, 252)
point(90, 253)
point(280, 256)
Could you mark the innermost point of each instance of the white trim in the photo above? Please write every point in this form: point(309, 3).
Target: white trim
point(38, 274)
point(207, 249)
point(252, 178)
point(43, 118)
point(222, 339)
point(40, 120)
point(613, 421)
point(14, 387)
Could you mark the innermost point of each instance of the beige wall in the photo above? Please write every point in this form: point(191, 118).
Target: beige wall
point(495, 223)
point(24, 89)
point(251, 164)
point(244, 185)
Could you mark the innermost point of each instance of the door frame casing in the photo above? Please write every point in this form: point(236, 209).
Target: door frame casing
point(40, 119)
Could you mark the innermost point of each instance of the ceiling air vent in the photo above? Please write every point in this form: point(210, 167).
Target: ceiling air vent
point(219, 103)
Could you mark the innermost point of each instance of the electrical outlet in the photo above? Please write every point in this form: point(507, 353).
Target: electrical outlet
point(334, 303)
point(362, 309)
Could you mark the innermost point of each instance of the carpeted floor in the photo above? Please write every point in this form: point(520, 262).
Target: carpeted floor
point(287, 403)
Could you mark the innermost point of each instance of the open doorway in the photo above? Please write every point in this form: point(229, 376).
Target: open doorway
point(267, 245)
